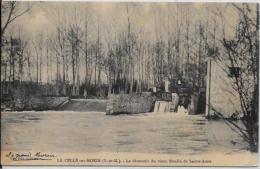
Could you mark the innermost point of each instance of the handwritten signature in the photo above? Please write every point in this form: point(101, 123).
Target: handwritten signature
point(29, 156)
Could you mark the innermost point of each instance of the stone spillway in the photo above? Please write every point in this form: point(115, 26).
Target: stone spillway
point(84, 105)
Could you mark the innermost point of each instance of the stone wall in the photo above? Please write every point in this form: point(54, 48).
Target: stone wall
point(130, 104)
point(36, 103)
point(84, 105)
point(24, 99)
point(45, 103)
point(223, 97)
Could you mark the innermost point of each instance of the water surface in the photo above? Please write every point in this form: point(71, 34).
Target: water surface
point(96, 132)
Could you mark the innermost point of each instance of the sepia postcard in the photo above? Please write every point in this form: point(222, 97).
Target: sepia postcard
point(129, 83)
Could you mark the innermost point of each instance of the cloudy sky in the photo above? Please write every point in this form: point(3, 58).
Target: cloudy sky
point(148, 19)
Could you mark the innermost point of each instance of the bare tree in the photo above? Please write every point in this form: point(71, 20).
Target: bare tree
point(10, 12)
point(38, 48)
point(21, 56)
point(74, 41)
point(243, 53)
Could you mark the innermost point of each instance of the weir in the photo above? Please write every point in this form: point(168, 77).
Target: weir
point(84, 105)
point(164, 102)
point(162, 106)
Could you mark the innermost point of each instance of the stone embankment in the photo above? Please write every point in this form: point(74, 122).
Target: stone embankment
point(130, 104)
point(84, 105)
point(38, 103)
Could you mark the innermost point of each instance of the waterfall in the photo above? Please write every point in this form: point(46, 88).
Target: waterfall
point(162, 107)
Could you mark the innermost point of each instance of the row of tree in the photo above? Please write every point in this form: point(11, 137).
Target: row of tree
point(128, 62)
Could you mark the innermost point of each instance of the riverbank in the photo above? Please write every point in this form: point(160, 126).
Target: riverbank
point(84, 105)
point(43, 103)
point(36, 103)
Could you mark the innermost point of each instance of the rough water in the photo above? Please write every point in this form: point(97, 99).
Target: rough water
point(96, 132)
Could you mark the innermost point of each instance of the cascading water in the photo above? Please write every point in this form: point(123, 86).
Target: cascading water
point(162, 106)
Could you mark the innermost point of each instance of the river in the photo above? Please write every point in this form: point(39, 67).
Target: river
point(67, 131)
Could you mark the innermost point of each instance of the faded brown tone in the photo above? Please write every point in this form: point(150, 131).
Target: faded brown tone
point(77, 55)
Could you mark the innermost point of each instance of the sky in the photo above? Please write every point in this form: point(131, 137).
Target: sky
point(147, 18)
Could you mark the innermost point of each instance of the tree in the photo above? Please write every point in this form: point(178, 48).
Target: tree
point(86, 55)
point(75, 42)
point(21, 56)
point(38, 47)
point(242, 53)
point(10, 12)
